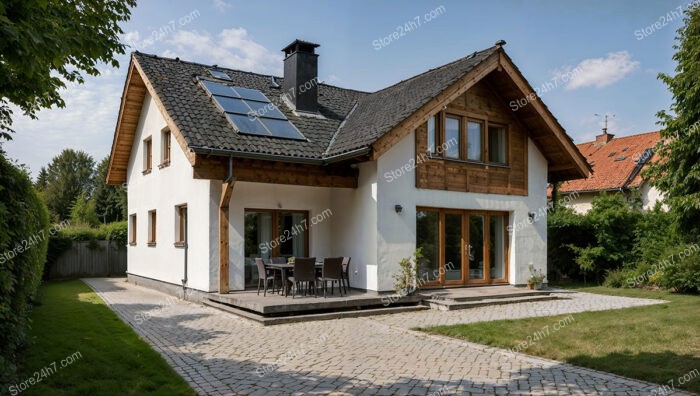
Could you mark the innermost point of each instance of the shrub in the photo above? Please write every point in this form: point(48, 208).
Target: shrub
point(24, 221)
point(683, 275)
point(564, 229)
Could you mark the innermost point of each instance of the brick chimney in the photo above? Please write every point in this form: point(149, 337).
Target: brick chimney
point(604, 138)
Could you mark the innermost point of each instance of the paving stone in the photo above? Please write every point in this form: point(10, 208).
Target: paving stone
point(219, 353)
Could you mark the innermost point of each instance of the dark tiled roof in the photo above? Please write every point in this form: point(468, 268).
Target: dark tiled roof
point(341, 129)
point(377, 113)
point(204, 126)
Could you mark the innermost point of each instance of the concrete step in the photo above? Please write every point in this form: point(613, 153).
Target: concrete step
point(448, 305)
point(456, 297)
point(275, 320)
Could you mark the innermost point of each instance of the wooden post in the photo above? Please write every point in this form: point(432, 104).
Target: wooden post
point(226, 190)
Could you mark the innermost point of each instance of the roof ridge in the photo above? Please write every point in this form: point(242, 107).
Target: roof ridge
point(473, 54)
point(622, 137)
point(237, 70)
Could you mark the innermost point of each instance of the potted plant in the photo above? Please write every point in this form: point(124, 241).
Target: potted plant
point(291, 260)
point(536, 278)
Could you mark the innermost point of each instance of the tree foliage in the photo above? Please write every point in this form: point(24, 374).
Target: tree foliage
point(83, 211)
point(110, 201)
point(677, 172)
point(69, 174)
point(46, 43)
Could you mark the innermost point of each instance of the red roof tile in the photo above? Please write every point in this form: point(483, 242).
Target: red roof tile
point(613, 163)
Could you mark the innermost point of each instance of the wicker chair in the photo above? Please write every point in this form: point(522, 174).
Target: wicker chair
point(304, 271)
point(264, 276)
point(333, 272)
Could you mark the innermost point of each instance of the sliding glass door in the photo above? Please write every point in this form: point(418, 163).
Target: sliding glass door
point(273, 233)
point(461, 247)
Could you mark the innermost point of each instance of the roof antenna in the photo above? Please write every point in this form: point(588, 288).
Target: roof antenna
point(605, 129)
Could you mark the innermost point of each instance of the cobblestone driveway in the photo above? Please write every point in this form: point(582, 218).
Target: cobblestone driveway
point(219, 353)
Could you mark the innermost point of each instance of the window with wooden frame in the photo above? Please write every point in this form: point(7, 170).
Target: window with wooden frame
point(468, 139)
point(132, 229)
point(147, 155)
point(181, 225)
point(152, 228)
point(165, 148)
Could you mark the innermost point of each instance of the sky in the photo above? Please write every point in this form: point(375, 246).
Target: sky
point(585, 58)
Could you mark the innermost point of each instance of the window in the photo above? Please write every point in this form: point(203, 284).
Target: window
point(462, 138)
point(147, 155)
point(152, 228)
point(165, 149)
point(273, 233)
point(427, 239)
point(475, 132)
point(132, 229)
point(452, 137)
point(432, 135)
point(497, 144)
point(181, 231)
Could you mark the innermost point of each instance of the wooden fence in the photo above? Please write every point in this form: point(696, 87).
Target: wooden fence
point(88, 259)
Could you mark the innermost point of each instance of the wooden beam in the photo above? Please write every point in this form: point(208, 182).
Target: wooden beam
point(224, 222)
point(384, 143)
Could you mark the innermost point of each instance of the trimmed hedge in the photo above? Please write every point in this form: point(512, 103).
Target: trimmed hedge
point(24, 223)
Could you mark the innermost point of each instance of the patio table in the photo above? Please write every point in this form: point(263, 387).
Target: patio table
point(284, 268)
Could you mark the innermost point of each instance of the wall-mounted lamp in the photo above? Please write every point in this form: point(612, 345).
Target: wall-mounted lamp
point(531, 215)
point(398, 208)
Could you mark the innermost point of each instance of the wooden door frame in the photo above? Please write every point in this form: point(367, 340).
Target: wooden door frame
point(441, 282)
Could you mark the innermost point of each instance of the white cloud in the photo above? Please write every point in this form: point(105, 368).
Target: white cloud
point(332, 79)
point(232, 48)
point(221, 5)
point(131, 38)
point(86, 123)
point(599, 72)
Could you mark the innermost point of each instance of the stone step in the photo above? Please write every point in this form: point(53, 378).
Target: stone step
point(447, 305)
point(275, 320)
point(456, 297)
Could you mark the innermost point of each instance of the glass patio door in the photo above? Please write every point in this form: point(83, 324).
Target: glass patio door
point(475, 249)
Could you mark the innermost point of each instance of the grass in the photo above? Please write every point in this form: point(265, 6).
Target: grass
point(110, 358)
point(658, 343)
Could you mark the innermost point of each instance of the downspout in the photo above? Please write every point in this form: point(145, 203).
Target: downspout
point(187, 242)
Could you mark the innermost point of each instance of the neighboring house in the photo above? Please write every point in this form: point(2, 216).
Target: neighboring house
point(438, 161)
point(617, 167)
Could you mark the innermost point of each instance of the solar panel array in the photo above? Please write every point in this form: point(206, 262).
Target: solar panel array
point(250, 111)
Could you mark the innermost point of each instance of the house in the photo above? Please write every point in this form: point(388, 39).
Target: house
point(617, 167)
point(223, 166)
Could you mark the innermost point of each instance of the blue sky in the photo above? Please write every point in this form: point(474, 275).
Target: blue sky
point(602, 43)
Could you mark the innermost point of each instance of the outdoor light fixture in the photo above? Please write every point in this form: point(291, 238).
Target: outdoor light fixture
point(398, 208)
point(531, 215)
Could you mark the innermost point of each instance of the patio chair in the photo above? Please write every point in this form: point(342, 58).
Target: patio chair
point(333, 272)
point(346, 273)
point(304, 271)
point(278, 271)
point(264, 276)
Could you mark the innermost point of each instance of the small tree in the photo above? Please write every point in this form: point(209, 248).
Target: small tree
point(677, 171)
point(83, 211)
point(406, 280)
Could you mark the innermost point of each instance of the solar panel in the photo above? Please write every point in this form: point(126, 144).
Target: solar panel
point(232, 105)
point(252, 94)
point(219, 74)
point(250, 112)
point(282, 129)
point(267, 110)
point(215, 88)
point(246, 124)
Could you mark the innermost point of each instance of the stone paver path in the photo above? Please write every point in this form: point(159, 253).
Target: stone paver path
point(222, 354)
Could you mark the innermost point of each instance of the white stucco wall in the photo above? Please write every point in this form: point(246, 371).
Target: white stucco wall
point(396, 233)
point(248, 195)
point(650, 196)
point(580, 202)
point(162, 190)
point(355, 227)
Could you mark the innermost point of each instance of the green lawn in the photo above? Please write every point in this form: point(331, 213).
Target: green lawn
point(110, 360)
point(657, 343)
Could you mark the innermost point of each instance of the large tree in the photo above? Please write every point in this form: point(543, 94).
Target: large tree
point(110, 201)
point(69, 175)
point(45, 43)
point(677, 172)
